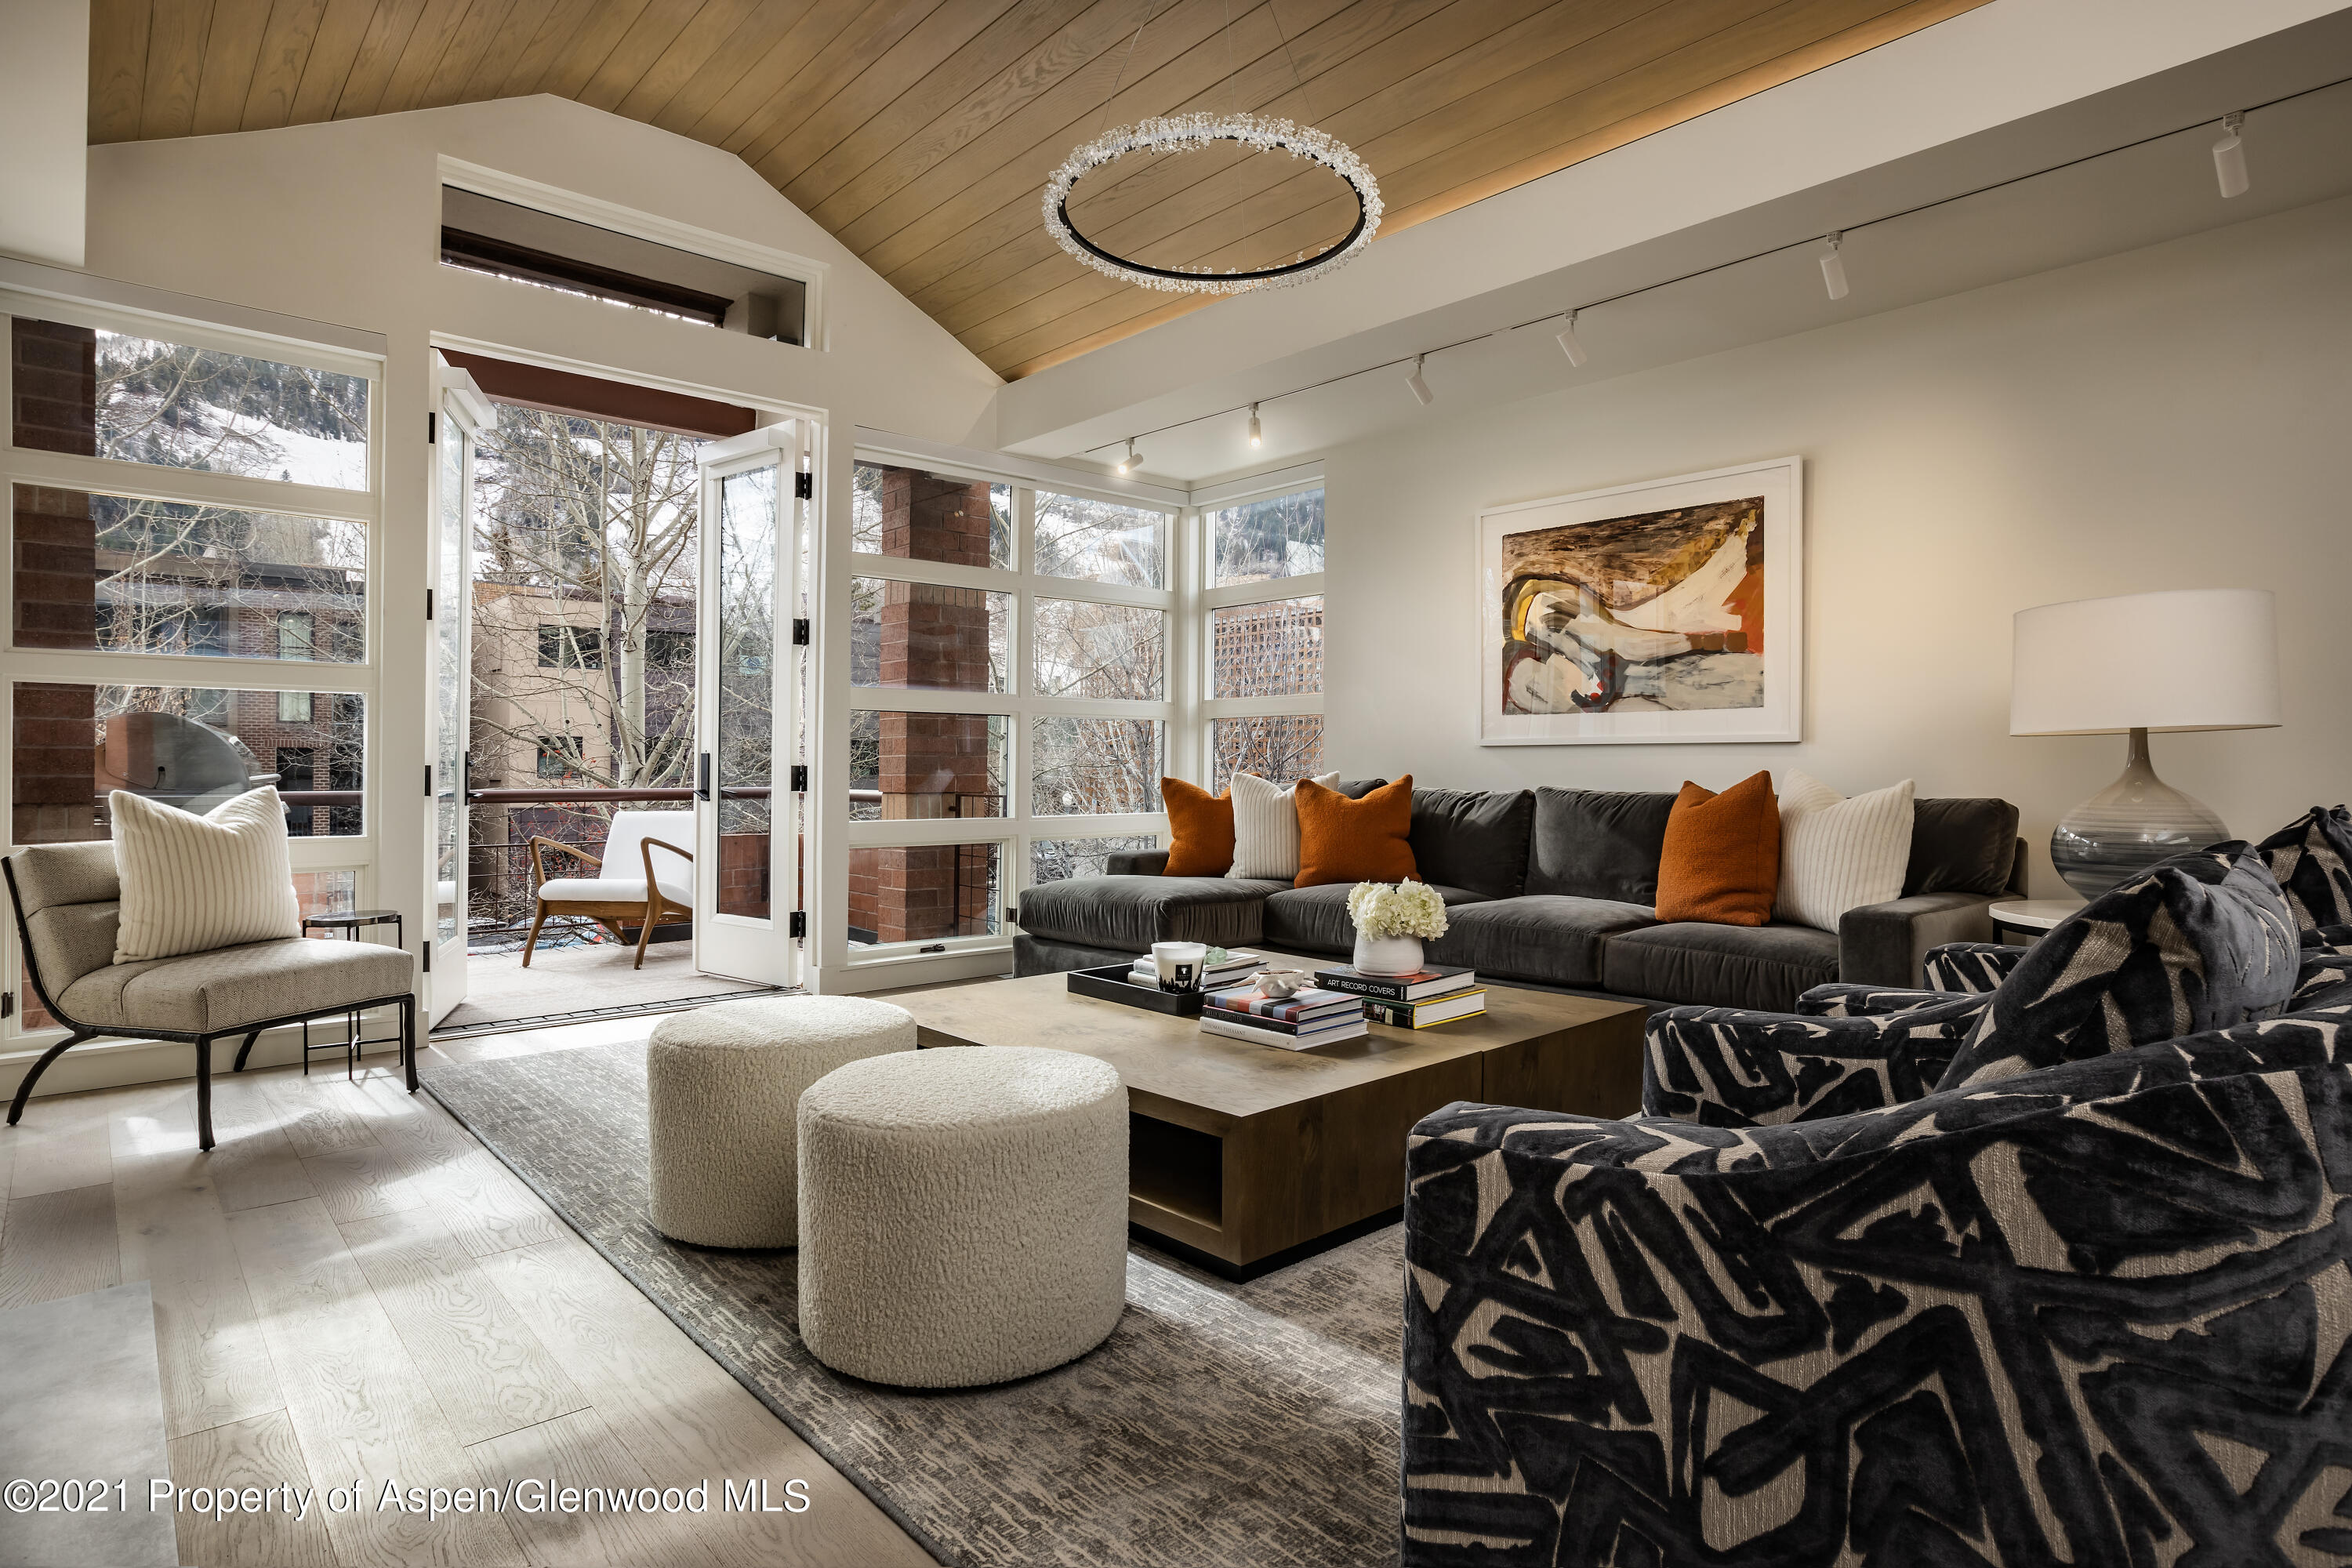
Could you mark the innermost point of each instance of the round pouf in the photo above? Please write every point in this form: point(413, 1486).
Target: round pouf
point(963, 1213)
point(723, 1088)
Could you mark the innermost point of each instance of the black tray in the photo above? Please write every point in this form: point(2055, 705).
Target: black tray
point(1112, 984)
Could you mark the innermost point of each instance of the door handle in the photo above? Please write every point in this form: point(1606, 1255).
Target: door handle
point(702, 785)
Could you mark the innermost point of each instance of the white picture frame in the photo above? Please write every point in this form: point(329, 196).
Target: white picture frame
point(1651, 684)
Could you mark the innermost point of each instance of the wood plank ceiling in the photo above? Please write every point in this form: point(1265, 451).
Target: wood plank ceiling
point(919, 133)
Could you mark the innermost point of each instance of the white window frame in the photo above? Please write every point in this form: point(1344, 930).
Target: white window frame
point(1307, 585)
point(357, 854)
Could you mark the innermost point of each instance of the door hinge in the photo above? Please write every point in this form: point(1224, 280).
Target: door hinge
point(805, 487)
point(428, 603)
point(425, 947)
point(799, 631)
point(428, 780)
point(798, 925)
point(8, 1004)
point(432, 428)
point(799, 778)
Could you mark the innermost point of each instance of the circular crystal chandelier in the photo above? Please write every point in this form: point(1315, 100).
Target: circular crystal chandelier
point(1191, 133)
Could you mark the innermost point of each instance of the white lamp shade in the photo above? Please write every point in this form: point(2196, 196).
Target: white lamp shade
point(2198, 658)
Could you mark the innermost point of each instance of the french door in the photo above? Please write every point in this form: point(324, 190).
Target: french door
point(749, 676)
point(463, 414)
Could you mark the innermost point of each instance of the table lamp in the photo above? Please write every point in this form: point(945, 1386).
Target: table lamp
point(2198, 658)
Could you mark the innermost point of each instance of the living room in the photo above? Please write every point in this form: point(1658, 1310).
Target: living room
point(1696, 759)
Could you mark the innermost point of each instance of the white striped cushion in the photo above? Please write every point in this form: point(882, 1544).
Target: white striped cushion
point(1838, 854)
point(193, 883)
point(1265, 827)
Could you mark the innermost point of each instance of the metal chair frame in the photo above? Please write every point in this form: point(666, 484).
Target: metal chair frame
point(79, 1032)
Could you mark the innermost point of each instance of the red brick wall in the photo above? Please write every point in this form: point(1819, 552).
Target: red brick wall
point(743, 874)
point(53, 373)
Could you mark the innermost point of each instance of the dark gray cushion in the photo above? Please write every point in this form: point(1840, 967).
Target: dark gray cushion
point(1543, 937)
point(1315, 919)
point(1128, 914)
point(1135, 863)
point(1469, 838)
point(2202, 940)
point(1960, 845)
point(1357, 789)
point(1598, 843)
point(1764, 967)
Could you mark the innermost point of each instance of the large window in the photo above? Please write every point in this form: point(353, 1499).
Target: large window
point(192, 518)
point(1010, 692)
point(1263, 684)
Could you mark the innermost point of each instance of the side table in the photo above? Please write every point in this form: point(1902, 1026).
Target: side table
point(353, 1043)
point(2031, 916)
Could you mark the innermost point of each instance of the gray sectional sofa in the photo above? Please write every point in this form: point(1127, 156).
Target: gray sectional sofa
point(1555, 887)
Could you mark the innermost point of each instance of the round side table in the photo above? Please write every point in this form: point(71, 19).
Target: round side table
point(347, 926)
point(2031, 917)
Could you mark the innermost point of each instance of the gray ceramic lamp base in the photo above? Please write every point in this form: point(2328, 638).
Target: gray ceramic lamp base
point(2128, 826)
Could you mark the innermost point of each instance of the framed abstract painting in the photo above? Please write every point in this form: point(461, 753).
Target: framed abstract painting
point(1660, 612)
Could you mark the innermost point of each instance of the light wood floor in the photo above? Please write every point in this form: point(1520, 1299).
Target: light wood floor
point(350, 1286)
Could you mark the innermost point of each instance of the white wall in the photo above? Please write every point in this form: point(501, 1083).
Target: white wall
point(44, 106)
point(2171, 417)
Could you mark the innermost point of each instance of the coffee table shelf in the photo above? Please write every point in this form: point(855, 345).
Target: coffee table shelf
point(1239, 1150)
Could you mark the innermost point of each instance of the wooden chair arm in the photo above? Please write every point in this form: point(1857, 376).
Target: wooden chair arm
point(653, 890)
point(539, 871)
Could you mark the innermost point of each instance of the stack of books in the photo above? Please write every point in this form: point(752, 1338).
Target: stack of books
point(1296, 1023)
point(1225, 972)
point(1428, 996)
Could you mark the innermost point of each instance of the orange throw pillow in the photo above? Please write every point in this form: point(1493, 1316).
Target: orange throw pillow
point(1343, 840)
point(1199, 829)
point(1721, 865)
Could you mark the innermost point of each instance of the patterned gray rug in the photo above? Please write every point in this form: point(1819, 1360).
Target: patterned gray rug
point(1227, 1423)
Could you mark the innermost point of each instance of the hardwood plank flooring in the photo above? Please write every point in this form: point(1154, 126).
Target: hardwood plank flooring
point(350, 1284)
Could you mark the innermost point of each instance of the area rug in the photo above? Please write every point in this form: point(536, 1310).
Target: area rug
point(1222, 1422)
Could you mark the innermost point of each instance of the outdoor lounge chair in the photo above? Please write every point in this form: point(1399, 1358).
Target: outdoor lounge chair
point(609, 898)
point(68, 902)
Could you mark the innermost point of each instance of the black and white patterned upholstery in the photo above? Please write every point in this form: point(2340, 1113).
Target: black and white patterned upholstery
point(2312, 858)
point(1724, 1068)
point(1971, 967)
point(2092, 1314)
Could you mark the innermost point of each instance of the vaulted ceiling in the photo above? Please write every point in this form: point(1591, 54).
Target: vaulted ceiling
point(919, 133)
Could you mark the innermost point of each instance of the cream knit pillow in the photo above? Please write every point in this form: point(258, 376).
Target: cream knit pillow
point(1838, 854)
point(1265, 827)
point(193, 883)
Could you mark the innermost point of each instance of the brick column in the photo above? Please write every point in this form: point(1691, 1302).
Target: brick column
point(53, 373)
point(935, 638)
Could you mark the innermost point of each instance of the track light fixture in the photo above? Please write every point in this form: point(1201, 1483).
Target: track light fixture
point(1568, 343)
point(1420, 387)
point(1834, 267)
point(2230, 157)
point(1130, 462)
point(1256, 434)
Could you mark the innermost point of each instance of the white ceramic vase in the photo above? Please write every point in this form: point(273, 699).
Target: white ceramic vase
point(1387, 954)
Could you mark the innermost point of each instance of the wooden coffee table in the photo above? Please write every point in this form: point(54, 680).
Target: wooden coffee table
point(1241, 1151)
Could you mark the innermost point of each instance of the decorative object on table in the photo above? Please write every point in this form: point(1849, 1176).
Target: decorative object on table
point(1129, 988)
point(629, 884)
point(190, 884)
point(1298, 1022)
point(2312, 858)
point(1428, 1013)
point(723, 1086)
point(1365, 840)
point(1414, 986)
point(1265, 827)
point(1665, 611)
point(1218, 967)
point(1179, 965)
point(347, 926)
point(1199, 829)
point(1392, 921)
point(1721, 861)
point(1839, 852)
point(1279, 983)
point(2194, 659)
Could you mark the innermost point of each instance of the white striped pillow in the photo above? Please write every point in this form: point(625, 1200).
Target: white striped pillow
point(1838, 854)
point(1265, 827)
point(193, 883)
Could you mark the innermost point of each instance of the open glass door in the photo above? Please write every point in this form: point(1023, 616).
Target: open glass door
point(747, 688)
point(463, 413)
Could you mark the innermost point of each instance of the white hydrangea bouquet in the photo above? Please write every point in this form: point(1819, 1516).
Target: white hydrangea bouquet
point(1392, 919)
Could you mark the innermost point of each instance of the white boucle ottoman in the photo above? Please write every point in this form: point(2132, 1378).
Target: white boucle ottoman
point(722, 1088)
point(963, 1213)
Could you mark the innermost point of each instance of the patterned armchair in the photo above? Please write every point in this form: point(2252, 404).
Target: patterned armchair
point(2056, 1270)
